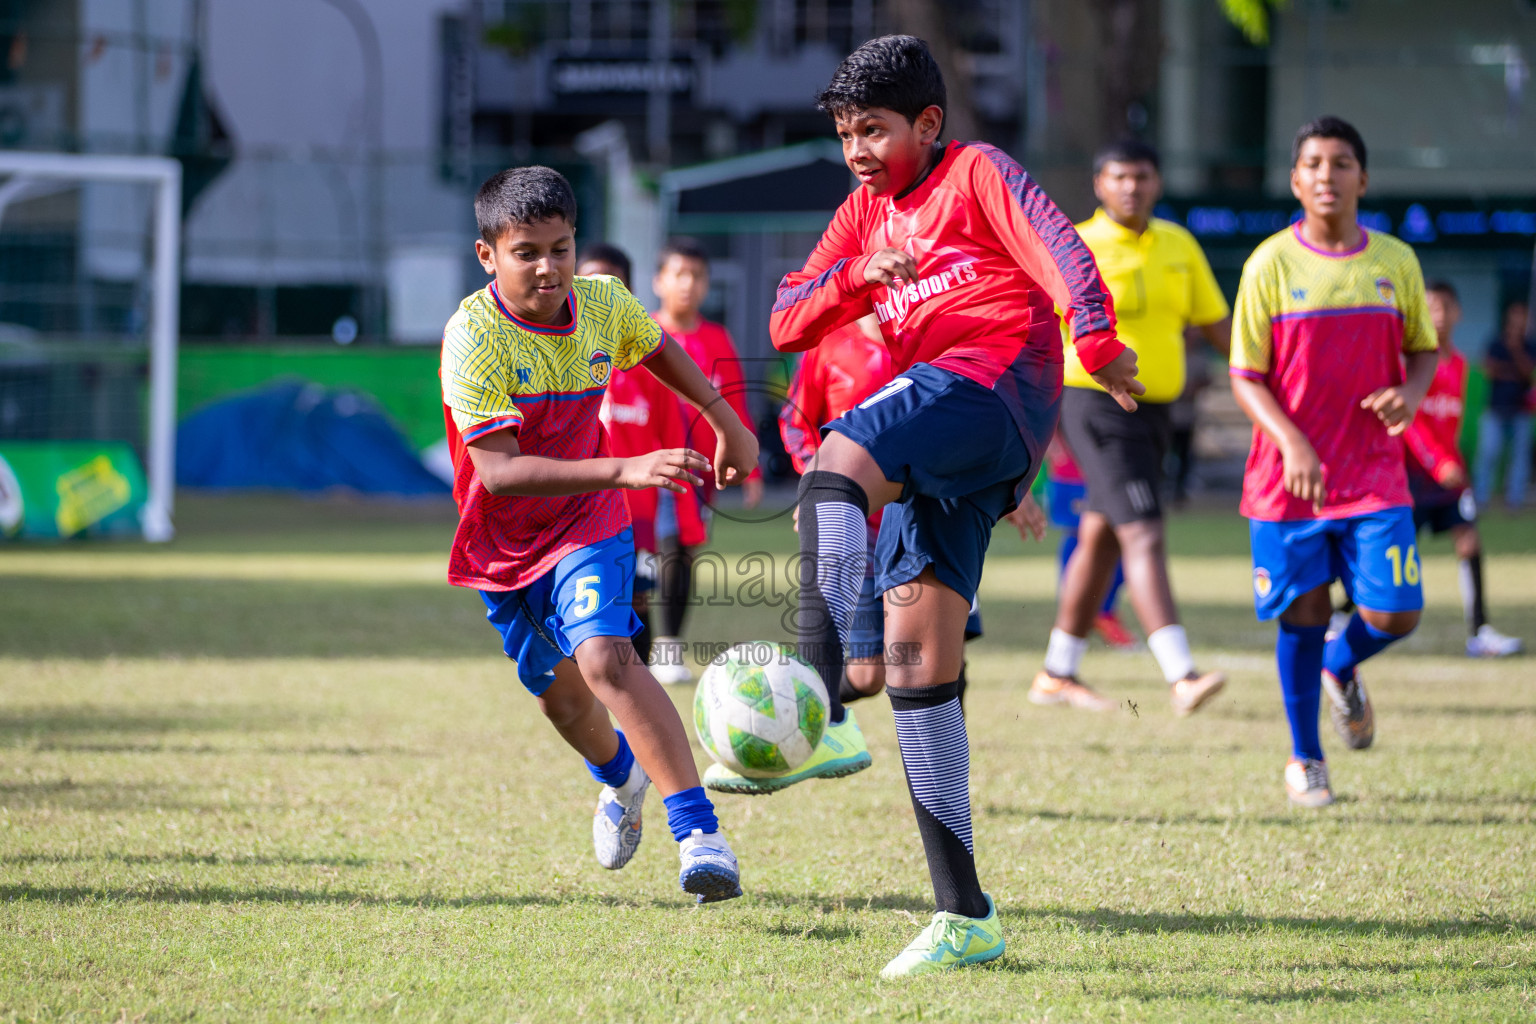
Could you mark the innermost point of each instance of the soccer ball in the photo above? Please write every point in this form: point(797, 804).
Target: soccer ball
point(759, 710)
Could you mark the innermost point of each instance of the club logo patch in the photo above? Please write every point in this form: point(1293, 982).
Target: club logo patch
point(1386, 290)
point(1262, 584)
point(601, 367)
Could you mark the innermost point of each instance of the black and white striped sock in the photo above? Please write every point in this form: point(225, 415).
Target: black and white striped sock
point(834, 547)
point(930, 729)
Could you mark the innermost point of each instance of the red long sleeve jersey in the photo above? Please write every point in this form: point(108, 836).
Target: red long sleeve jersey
point(995, 259)
point(1431, 437)
point(837, 375)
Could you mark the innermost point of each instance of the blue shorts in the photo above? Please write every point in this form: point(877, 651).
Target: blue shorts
point(586, 594)
point(1064, 503)
point(867, 638)
point(1375, 555)
point(962, 461)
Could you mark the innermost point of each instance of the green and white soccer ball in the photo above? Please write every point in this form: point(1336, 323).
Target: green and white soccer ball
point(759, 710)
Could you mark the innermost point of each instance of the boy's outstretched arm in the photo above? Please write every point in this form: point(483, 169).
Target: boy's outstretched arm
point(1303, 472)
point(736, 454)
point(504, 469)
point(831, 291)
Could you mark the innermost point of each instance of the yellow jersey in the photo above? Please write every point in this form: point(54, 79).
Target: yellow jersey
point(1161, 284)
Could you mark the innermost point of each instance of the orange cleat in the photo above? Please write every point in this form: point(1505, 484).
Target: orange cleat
point(1049, 689)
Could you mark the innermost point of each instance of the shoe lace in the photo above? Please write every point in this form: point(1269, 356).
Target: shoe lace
point(1316, 773)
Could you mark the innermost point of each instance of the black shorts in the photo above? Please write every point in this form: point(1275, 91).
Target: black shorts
point(1445, 511)
point(1120, 453)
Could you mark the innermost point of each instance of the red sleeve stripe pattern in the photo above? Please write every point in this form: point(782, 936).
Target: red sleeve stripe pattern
point(491, 426)
point(1090, 301)
point(787, 296)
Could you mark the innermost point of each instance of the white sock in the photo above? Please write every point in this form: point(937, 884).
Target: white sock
point(636, 779)
point(1170, 646)
point(1064, 653)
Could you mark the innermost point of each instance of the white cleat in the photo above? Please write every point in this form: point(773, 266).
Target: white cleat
point(1490, 643)
point(1306, 783)
point(667, 661)
point(709, 869)
point(616, 825)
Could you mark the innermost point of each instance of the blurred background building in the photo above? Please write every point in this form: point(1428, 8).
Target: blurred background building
point(330, 147)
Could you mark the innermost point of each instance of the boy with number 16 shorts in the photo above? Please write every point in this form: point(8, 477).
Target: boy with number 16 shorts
point(543, 532)
point(962, 258)
point(1328, 314)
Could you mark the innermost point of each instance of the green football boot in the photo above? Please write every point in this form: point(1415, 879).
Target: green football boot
point(842, 751)
point(948, 942)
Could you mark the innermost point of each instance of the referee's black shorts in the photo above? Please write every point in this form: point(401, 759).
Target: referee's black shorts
point(1120, 453)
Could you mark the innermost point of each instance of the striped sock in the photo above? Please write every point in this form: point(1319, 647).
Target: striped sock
point(930, 729)
point(834, 549)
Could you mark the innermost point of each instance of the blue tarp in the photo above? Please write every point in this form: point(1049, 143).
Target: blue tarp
point(291, 435)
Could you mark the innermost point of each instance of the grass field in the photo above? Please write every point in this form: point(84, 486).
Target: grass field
point(279, 770)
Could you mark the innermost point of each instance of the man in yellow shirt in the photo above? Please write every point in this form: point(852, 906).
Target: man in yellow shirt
point(1161, 285)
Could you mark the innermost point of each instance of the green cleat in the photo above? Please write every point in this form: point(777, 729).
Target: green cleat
point(842, 751)
point(948, 942)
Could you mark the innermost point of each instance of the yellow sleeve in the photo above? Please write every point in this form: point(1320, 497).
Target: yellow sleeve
point(1252, 337)
point(635, 335)
point(1418, 331)
point(476, 369)
point(1206, 303)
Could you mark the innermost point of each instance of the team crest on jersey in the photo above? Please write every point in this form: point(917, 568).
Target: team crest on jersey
point(1385, 289)
point(601, 367)
point(1262, 584)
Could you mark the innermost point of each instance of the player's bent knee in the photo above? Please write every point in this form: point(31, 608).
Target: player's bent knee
point(868, 678)
point(1399, 624)
point(603, 659)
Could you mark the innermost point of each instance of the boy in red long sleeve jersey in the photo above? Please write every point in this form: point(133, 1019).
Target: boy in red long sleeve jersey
point(640, 415)
point(963, 259)
point(1438, 478)
point(1328, 317)
point(682, 285)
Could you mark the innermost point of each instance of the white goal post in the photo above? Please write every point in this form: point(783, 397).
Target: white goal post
point(26, 169)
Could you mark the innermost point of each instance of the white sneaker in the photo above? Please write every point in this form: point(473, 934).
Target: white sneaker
point(616, 825)
point(1306, 783)
point(1490, 643)
point(709, 869)
point(667, 661)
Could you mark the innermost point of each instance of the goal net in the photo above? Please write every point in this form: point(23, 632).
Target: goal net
point(89, 283)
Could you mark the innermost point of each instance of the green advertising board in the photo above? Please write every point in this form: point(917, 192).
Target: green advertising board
point(60, 489)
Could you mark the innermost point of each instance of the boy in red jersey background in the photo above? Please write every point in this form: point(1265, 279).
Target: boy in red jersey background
point(543, 534)
point(682, 285)
point(1438, 478)
point(963, 260)
point(641, 414)
point(1327, 316)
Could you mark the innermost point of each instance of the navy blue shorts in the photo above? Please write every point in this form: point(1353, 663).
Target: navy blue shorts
point(962, 463)
point(1445, 513)
point(1375, 555)
point(588, 593)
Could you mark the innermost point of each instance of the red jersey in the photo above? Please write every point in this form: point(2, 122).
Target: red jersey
point(642, 415)
point(710, 346)
point(995, 258)
point(1431, 439)
point(846, 368)
point(1060, 464)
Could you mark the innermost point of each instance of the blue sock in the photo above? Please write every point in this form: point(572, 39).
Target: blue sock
point(1114, 589)
point(1299, 655)
point(616, 772)
point(689, 810)
point(1360, 640)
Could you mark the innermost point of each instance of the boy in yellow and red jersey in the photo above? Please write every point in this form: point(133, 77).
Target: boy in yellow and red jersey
point(543, 532)
point(1328, 316)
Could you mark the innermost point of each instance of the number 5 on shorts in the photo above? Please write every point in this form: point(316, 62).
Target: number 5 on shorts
point(1404, 569)
point(586, 594)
